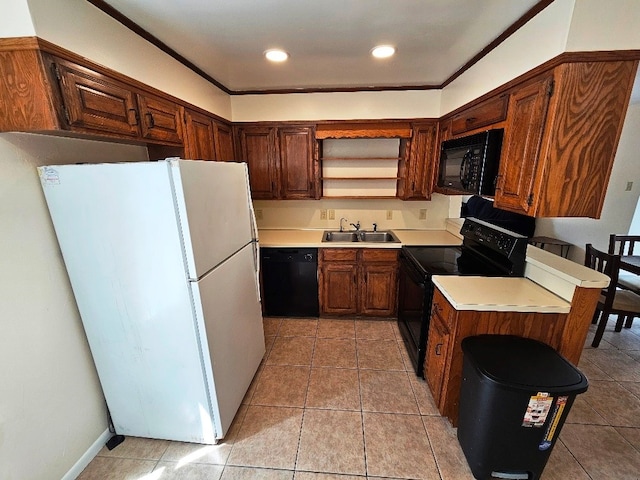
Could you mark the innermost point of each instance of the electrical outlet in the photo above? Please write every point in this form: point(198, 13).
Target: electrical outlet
point(423, 214)
point(259, 214)
point(332, 214)
point(629, 187)
point(389, 214)
point(323, 214)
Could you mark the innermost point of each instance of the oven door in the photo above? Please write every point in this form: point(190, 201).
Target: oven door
point(414, 306)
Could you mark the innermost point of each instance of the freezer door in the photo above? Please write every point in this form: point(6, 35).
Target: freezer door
point(214, 209)
point(230, 324)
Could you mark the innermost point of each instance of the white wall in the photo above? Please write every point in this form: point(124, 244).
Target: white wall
point(306, 214)
point(51, 407)
point(541, 39)
point(619, 205)
point(16, 19)
point(598, 25)
point(84, 29)
point(337, 106)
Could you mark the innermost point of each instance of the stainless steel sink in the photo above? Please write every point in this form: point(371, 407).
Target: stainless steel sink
point(340, 237)
point(378, 237)
point(369, 237)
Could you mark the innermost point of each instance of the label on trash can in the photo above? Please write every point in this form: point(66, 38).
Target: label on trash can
point(537, 410)
point(553, 424)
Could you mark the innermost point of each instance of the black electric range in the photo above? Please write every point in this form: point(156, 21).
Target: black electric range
point(486, 250)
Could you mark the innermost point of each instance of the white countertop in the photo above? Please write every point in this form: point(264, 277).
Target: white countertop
point(554, 273)
point(502, 294)
point(313, 238)
point(564, 269)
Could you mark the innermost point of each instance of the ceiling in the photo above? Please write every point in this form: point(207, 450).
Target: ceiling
point(329, 41)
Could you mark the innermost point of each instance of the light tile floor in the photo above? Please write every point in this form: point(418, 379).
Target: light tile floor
point(337, 399)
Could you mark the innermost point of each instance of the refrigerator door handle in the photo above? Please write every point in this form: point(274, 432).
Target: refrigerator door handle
point(254, 231)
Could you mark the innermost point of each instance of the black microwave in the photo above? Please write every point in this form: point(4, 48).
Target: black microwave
point(470, 164)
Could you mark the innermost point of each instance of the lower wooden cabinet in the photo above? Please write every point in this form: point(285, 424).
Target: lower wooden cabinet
point(436, 356)
point(443, 362)
point(358, 281)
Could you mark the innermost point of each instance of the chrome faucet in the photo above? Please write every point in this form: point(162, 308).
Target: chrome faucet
point(341, 227)
point(356, 225)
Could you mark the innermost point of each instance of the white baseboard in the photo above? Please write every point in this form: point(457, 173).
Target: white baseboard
point(89, 455)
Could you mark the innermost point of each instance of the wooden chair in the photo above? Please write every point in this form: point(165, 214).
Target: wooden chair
point(623, 303)
point(625, 245)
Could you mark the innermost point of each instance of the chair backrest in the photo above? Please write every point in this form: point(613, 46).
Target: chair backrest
point(606, 263)
point(623, 244)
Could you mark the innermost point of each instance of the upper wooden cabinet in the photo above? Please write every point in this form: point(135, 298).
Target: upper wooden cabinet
point(199, 138)
point(280, 159)
point(522, 143)
point(47, 89)
point(488, 112)
point(223, 139)
point(95, 103)
point(415, 168)
point(207, 138)
point(161, 120)
point(561, 135)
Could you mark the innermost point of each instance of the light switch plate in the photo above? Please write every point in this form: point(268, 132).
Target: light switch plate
point(332, 214)
point(323, 214)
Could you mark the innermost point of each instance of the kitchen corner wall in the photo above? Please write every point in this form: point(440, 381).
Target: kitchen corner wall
point(305, 214)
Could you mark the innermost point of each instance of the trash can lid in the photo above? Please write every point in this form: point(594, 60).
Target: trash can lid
point(523, 363)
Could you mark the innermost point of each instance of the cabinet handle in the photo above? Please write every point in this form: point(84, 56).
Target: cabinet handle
point(355, 280)
point(150, 122)
point(439, 349)
point(133, 113)
point(471, 119)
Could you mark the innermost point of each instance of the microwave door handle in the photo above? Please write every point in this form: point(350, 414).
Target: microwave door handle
point(464, 180)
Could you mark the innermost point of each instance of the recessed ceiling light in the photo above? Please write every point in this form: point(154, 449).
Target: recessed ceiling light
point(383, 51)
point(276, 55)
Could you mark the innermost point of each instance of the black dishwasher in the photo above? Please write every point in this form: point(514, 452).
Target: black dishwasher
point(290, 282)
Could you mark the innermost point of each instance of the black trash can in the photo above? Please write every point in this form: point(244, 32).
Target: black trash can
point(514, 398)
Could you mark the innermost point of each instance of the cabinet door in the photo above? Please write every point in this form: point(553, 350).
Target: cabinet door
point(488, 112)
point(437, 354)
point(95, 103)
point(257, 147)
point(418, 171)
point(199, 135)
point(160, 119)
point(223, 139)
point(521, 148)
point(338, 288)
point(297, 172)
point(378, 294)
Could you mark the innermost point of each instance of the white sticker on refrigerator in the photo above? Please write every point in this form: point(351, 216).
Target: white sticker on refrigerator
point(49, 176)
point(537, 410)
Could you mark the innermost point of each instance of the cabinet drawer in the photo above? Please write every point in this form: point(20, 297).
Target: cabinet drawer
point(490, 111)
point(338, 254)
point(442, 308)
point(379, 255)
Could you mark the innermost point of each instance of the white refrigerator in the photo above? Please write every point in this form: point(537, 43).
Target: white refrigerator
point(163, 262)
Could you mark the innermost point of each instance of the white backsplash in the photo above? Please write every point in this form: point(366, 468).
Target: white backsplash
point(306, 214)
